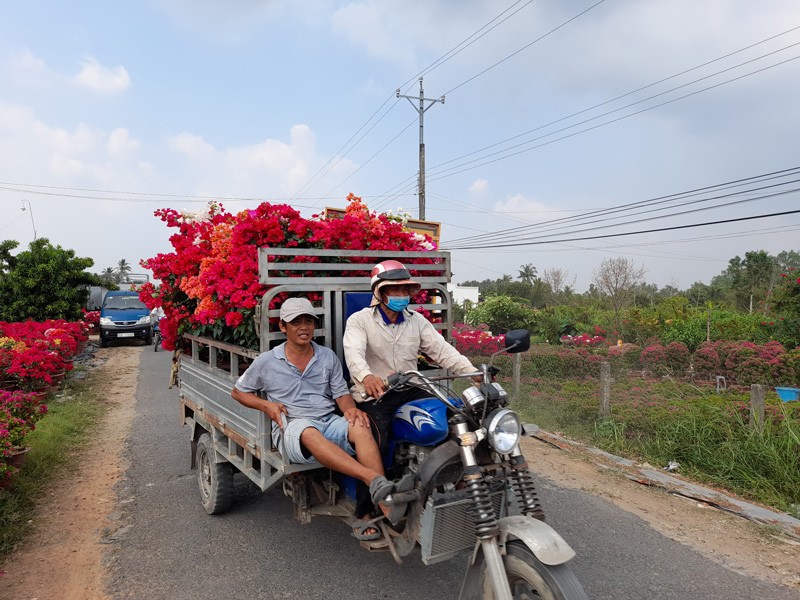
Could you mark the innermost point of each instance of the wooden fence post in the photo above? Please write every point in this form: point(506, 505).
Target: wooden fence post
point(605, 389)
point(517, 376)
point(757, 395)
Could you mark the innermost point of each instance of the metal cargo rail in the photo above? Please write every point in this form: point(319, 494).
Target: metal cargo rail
point(241, 435)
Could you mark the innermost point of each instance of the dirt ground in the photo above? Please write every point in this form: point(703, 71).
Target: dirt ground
point(65, 557)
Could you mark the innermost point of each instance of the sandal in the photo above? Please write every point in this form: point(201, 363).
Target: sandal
point(361, 531)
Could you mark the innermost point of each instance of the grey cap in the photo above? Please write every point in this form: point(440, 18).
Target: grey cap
point(294, 307)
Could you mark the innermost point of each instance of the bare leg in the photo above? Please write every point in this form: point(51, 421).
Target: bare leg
point(333, 457)
point(366, 467)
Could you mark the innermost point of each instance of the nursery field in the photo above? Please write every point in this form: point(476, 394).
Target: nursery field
point(661, 420)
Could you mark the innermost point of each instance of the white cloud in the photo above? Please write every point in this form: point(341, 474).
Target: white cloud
point(85, 155)
point(478, 188)
point(28, 71)
point(120, 142)
point(521, 208)
point(101, 79)
point(269, 166)
point(193, 146)
point(231, 22)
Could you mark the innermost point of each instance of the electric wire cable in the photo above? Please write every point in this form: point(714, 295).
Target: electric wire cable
point(437, 169)
point(435, 175)
point(755, 179)
point(553, 230)
point(640, 232)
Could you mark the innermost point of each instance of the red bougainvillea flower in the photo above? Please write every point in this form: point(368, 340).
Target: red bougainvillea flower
point(211, 277)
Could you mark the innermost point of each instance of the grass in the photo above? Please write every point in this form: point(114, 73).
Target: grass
point(662, 421)
point(55, 444)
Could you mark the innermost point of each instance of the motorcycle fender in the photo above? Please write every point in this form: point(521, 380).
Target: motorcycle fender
point(544, 541)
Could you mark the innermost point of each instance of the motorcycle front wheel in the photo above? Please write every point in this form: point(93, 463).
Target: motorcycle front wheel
point(529, 578)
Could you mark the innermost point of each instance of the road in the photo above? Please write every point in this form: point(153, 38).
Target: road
point(173, 550)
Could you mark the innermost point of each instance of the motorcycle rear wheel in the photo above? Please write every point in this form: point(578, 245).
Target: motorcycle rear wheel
point(531, 579)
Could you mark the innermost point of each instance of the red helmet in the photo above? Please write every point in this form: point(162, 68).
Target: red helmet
point(391, 272)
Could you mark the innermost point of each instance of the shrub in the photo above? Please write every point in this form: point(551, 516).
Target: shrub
point(706, 359)
point(792, 361)
point(654, 358)
point(476, 341)
point(753, 370)
point(677, 357)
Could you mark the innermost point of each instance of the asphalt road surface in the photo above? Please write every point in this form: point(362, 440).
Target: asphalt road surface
point(173, 550)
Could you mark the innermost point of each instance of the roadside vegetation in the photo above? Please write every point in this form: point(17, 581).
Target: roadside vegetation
point(56, 446)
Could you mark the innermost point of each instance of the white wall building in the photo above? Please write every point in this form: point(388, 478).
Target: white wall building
point(462, 294)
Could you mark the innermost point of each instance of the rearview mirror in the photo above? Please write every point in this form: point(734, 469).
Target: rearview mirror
point(518, 340)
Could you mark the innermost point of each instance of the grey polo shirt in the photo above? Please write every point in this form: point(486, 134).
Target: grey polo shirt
point(309, 394)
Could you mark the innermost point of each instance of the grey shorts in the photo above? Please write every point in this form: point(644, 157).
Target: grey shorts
point(333, 428)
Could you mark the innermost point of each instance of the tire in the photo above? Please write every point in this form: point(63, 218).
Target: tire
point(214, 479)
point(103, 343)
point(156, 343)
point(529, 578)
point(148, 340)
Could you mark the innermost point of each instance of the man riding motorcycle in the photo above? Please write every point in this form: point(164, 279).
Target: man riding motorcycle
point(387, 338)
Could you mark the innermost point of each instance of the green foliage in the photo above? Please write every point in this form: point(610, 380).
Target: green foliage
point(43, 282)
point(661, 421)
point(501, 314)
point(531, 290)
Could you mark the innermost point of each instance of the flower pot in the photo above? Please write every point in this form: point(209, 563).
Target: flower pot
point(17, 458)
point(9, 385)
point(788, 394)
point(39, 395)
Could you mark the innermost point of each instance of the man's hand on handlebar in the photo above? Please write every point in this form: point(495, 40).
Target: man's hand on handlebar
point(374, 386)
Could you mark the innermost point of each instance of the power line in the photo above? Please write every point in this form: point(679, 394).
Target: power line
point(437, 63)
point(506, 153)
point(639, 203)
point(625, 95)
point(436, 171)
point(525, 47)
point(611, 235)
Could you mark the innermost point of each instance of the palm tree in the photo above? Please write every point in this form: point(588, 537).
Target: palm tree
point(123, 268)
point(527, 273)
point(109, 275)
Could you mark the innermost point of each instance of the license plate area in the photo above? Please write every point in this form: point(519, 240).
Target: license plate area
point(126, 334)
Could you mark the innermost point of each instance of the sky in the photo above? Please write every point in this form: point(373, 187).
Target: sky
point(566, 123)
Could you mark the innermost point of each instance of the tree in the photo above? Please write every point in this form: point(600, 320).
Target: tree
point(123, 269)
point(750, 278)
point(528, 274)
point(501, 314)
point(109, 277)
point(556, 279)
point(44, 282)
point(617, 278)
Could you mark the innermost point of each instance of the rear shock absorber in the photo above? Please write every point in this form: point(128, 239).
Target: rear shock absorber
point(524, 488)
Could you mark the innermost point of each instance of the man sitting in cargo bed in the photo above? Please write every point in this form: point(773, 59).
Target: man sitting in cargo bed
point(304, 384)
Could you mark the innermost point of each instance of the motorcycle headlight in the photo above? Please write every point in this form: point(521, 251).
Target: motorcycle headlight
point(504, 430)
point(106, 321)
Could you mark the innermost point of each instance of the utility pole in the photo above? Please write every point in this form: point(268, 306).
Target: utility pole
point(421, 110)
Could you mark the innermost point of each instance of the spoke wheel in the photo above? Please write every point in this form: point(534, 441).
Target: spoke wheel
point(530, 579)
